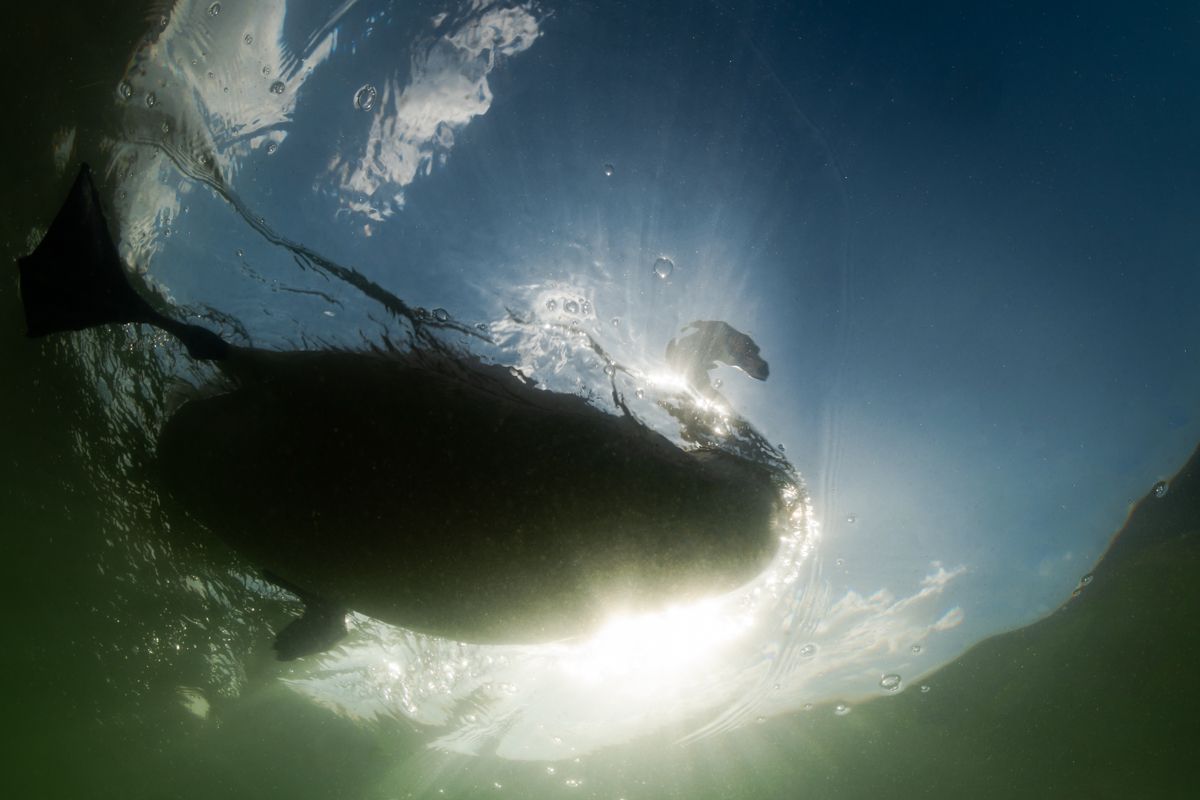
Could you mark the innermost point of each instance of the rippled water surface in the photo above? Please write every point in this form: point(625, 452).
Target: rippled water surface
point(964, 247)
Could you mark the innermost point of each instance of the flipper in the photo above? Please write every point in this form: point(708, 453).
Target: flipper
point(74, 279)
point(320, 627)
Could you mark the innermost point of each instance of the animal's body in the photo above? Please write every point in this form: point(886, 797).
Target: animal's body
point(428, 491)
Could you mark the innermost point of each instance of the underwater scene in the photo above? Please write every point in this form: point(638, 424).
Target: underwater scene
point(493, 398)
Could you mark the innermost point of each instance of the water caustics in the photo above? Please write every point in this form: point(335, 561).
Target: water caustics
point(568, 190)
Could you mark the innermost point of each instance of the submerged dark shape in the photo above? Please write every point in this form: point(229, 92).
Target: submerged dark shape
point(429, 491)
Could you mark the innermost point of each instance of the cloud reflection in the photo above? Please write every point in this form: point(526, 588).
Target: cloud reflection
point(413, 125)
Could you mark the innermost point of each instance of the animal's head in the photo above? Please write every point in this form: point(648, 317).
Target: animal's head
point(714, 340)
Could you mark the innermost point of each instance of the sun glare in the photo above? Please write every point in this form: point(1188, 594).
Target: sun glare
point(646, 651)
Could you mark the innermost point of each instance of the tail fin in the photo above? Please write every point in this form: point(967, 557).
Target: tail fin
point(74, 279)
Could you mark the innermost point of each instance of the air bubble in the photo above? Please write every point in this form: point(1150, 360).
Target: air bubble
point(266, 70)
point(124, 90)
point(248, 38)
point(916, 648)
point(364, 98)
point(441, 315)
point(718, 383)
point(271, 148)
point(925, 688)
point(841, 709)
point(760, 720)
point(610, 370)
point(1160, 489)
point(890, 683)
point(808, 651)
point(151, 100)
point(663, 267)
point(609, 169)
point(640, 393)
point(851, 518)
point(571, 307)
point(277, 87)
point(551, 305)
point(1086, 579)
point(241, 253)
point(616, 321)
point(214, 9)
point(166, 128)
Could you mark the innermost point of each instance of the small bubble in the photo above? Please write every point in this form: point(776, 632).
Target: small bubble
point(364, 98)
point(1086, 579)
point(585, 307)
point(214, 9)
point(890, 683)
point(663, 267)
point(550, 770)
point(277, 87)
point(248, 38)
point(211, 75)
point(1160, 489)
point(571, 307)
point(266, 70)
point(572, 783)
point(925, 688)
point(271, 148)
point(441, 315)
point(808, 651)
point(125, 90)
point(841, 562)
point(916, 648)
point(610, 370)
point(640, 393)
point(760, 720)
point(776, 686)
point(851, 518)
point(551, 305)
point(166, 128)
point(717, 383)
point(240, 253)
point(481, 327)
point(151, 100)
point(807, 706)
point(609, 169)
point(841, 709)
point(164, 21)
